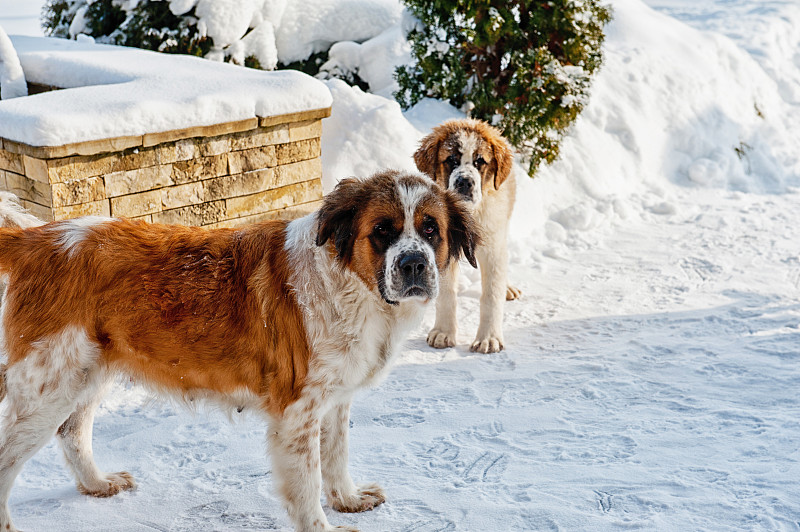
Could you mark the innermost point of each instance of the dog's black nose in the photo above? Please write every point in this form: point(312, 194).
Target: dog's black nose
point(413, 267)
point(463, 186)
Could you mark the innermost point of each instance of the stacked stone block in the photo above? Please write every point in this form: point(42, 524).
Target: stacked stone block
point(217, 176)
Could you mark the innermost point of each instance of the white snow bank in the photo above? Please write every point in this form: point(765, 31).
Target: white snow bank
point(12, 78)
point(374, 60)
point(112, 91)
point(378, 138)
point(769, 30)
point(312, 26)
point(672, 105)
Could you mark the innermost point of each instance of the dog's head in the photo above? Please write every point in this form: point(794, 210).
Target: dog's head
point(467, 156)
point(397, 232)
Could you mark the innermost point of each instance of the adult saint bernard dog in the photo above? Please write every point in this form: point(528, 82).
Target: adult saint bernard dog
point(288, 319)
point(473, 159)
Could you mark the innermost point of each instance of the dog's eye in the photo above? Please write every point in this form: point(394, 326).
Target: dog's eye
point(479, 162)
point(451, 161)
point(381, 229)
point(429, 228)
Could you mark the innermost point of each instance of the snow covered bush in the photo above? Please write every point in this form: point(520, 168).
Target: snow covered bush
point(523, 65)
point(256, 33)
point(171, 27)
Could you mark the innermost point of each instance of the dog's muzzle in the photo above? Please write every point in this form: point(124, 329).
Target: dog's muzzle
point(466, 183)
point(413, 275)
point(463, 186)
point(412, 268)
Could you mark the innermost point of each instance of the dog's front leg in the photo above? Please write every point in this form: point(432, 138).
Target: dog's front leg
point(444, 330)
point(294, 440)
point(343, 494)
point(493, 262)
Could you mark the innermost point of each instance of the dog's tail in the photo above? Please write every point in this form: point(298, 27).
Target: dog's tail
point(12, 214)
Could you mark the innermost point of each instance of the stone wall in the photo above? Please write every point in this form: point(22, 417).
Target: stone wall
point(215, 176)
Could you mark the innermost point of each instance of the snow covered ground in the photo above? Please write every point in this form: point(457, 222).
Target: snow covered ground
point(650, 378)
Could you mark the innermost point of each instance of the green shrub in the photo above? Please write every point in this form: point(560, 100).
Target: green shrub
point(522, 65)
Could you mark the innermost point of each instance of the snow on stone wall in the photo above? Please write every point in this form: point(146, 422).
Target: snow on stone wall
point(116, 91)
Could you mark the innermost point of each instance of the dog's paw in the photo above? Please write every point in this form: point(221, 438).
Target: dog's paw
point(440, 339)
point(318, 526)
point(366, 497)
point(512, 293)
point(487, 345)
point(109, 486)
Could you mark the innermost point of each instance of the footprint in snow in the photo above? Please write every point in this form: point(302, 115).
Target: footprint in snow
point(37, 508)
point(416, 516)
point(488, 467)
point(399, 420)
point(560, 445)
point(604, 501)
point(452, 400)
point(185, 453)
point(696, 268)
point(538, 522)
point(216, 516)
point(466, 465)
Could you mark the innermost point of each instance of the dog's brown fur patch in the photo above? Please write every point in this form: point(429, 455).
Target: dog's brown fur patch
point(181, 308)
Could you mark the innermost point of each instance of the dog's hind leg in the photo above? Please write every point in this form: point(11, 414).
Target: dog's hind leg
point(75, 438)
point(42, 388)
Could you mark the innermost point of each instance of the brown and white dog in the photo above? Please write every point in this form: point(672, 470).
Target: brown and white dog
point(472, 158)
point(288, 319)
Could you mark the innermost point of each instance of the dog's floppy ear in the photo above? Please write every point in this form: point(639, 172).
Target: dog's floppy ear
point(427, 156)
point(463, 234)
point(504, 158)
point(337, 217)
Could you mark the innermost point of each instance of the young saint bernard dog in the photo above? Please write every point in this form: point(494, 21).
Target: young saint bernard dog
point(473, 159)
point(288, 319)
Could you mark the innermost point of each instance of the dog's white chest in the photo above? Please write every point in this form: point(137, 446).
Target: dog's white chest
point(365, 341)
